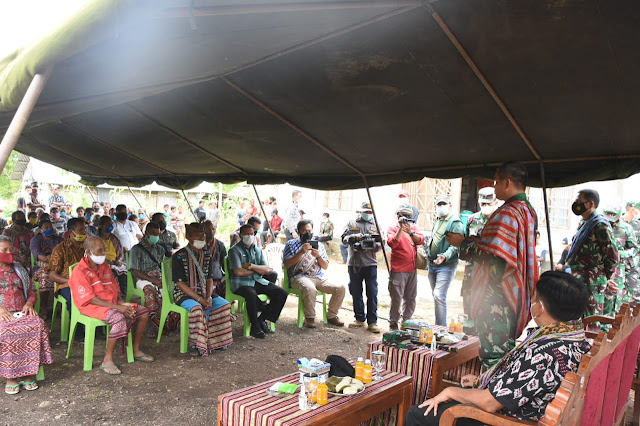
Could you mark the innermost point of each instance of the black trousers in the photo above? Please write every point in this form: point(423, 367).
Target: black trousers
point(416, 417)
point(271, 310)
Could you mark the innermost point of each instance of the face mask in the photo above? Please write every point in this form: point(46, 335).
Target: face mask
point(578, 208)
point(108, 229)
point(33, 220)
point(98, 260)
point(162, 225)
point(142, 216)
point(121, 216)
point(198, 244)
point(324, 219)
point(486, 210)
point(79, 237)
point(442, 210)
point(48, 232)
point(153, 239)
point(365, 216)
point(541, 309)
point(63, 214)
point(209, 235)
point(6, 258)
point(306, 237)
point(21, 222)
point(54, 216)
point(248, 240)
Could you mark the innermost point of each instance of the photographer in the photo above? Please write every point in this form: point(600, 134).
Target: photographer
point(305, 259)
point(403, 238)
point(363, 239)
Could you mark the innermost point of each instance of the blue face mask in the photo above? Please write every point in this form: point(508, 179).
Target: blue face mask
point(365, 216)
point(142, 216)
point(63, 213)
point(49, 232)
point(108, 229)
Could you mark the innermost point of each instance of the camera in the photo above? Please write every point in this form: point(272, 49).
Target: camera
point(367, 242)
point(404, 219)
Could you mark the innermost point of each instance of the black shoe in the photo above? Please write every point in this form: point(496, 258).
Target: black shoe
point(265, 327)
point(256, 331)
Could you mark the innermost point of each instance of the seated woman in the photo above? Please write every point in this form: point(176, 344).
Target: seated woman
point(526, 379)
point(41, 247)
point(97, 295)
point(24, 339)
point(209, 318)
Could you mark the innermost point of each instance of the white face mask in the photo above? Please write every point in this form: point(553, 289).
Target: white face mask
point(198, 244)
point(248, 240)
point(487, 210)
point(442, 210)
point(98, 260)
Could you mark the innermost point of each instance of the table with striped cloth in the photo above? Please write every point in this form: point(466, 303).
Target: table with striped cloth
point(253, 406)
point(419, 364)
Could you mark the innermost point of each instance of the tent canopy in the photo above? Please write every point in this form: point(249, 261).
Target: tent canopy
point(325, 93)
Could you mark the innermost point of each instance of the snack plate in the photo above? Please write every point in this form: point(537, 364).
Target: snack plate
point(341, 394)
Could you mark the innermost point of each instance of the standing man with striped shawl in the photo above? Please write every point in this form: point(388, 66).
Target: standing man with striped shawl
point(504, 266)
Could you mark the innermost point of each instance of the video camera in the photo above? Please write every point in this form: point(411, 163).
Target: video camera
point(404, 219)
point(367, 242)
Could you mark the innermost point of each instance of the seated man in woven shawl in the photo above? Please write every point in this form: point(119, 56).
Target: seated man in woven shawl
point(504, 266)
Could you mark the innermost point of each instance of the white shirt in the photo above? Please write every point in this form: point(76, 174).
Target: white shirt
point(127, 233)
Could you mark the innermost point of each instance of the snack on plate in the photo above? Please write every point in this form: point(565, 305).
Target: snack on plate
point(345, 385)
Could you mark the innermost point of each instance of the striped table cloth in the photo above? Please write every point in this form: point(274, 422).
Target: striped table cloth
point(253, 406)
point(418, 364)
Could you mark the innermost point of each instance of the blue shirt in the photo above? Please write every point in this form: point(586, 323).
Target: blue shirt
point(293, 247)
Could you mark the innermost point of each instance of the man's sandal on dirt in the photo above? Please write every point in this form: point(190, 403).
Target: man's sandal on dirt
point(29, 386)
point(12, 389)
point(111, 371)
point(144, 358)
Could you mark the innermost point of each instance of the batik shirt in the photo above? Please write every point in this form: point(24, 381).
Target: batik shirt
point(595, 264)
point(474, 228)
point(12, 289)
point(527, 384)
point(64, 255)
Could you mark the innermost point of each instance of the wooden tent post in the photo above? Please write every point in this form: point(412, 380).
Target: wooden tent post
point(375, 219)
point(134, 197)
point(266, 219)
point(546, 211)
point(189, 204)
point(21, 117)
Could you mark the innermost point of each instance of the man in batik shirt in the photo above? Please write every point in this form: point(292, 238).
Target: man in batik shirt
point(593, 257)
point(504, 266)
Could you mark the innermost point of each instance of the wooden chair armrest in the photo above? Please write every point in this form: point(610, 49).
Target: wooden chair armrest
point(598, 318)
point(450, 416)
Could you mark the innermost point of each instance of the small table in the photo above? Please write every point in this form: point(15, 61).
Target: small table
point(254, 406)
point(432, 372)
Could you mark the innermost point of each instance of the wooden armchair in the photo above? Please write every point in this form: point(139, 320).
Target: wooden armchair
point(597, 394)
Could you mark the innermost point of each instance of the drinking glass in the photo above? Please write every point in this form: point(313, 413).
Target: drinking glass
point(310, 381)
point(462, 318)
point(379, 361)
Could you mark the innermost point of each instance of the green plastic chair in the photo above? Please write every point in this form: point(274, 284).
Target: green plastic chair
point(169, 305)
point(37, 284)
point(231, 296)
point(64, 315)
point(131, 287)
point(90, 325)
point(287, 286)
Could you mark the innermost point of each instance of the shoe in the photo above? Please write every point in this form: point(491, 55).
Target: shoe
point(374, 328)
point(265, 327)
point(335, 321)
point(310, 323)
point(393, 327)
point(357, 324)
point(256, 331)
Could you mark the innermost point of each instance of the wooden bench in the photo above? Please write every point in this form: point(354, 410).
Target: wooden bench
point(597, 394)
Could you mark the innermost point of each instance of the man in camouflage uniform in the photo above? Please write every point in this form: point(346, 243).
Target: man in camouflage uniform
point(626, 275)
point(632, 217)
point(488, 203)
point(593, 256)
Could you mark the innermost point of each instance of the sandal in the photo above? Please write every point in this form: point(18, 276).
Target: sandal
point(111, 371)
point(144, 358)
point(29, 386)
point(12, 389)
point(194, 352)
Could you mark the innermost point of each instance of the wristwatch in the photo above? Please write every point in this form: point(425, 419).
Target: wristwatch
point(412, 234)
point(250, 268)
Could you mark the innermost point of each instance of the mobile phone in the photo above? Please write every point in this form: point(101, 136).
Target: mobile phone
point(314, 244)
point(18, 314)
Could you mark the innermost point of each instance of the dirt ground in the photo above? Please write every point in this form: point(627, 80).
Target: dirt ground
point(178, 389)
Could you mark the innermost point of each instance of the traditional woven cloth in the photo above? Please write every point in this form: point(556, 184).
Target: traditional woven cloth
point(42, 276)
point(214, 332)
point(509, 235)
point(24, 346)
point(120, 324)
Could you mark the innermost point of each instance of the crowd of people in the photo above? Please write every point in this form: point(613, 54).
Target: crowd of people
point(502, 288)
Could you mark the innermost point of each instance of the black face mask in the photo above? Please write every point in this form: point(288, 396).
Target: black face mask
point(306, 237)
point(121, 216)
point(578, 208)
point(162, 225)
point(21, 222)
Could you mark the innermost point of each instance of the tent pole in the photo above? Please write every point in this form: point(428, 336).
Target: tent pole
point(220, 195)
point(266, 219)
point(135, 198)
point(546, 211)
point(189, 204)
point(22, 114)
point(375, 219)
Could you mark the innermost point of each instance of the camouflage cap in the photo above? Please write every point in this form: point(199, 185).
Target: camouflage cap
point(612, 212)
point(487, 194)
point(405, 208)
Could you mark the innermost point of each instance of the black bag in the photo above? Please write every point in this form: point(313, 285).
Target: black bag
point(340, 367)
